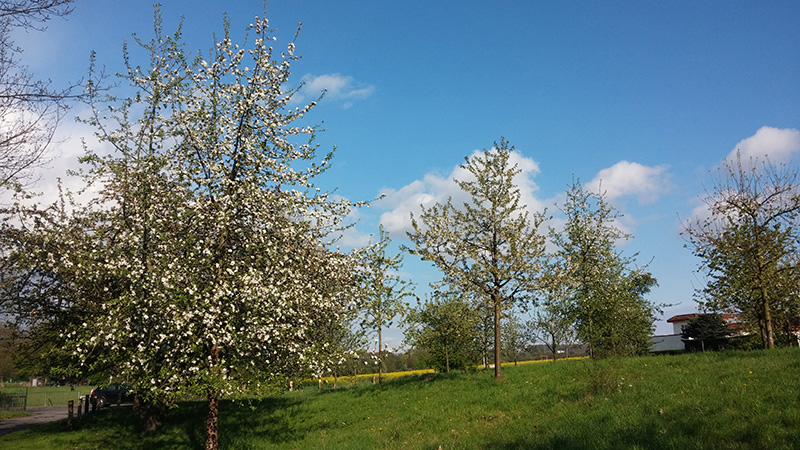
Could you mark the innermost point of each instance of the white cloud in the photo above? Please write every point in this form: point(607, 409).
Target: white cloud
point(435, 188)
point(777, 144)
point(626, 178)
point(62, 158)
point(340, 88)
point(352, 238)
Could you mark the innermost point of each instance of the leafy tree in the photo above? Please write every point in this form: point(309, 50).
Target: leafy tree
point(383, 292)
point(9, 345)
point(710, 329)
point(748, 244)
point(45, 256)
point(445, 329)
point(489, 247)
point(201, 267)
point(29, 108)
point(604, 297)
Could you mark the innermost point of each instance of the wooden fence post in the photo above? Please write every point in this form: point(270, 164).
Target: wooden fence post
point(70, 408)
point(86, 405)
point(80, 407)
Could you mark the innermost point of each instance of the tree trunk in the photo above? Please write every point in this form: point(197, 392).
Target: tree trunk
point(380, 355)
point(485, 351)
point(446, 360)
point(151, 415)
point(485, 338)
point(498, 371)
point(770, 337)
point(212, 421)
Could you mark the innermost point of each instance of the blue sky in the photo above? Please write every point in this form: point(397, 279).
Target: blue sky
point(647, 96)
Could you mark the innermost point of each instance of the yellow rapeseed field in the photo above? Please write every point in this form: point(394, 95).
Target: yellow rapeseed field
point(391, 375)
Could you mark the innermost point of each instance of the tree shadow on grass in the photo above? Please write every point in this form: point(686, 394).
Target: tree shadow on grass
point(682, 428)
point(269, 419)
point(650, 436)
point(272, 419)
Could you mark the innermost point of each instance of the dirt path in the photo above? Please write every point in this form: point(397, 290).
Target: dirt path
point(38, 415)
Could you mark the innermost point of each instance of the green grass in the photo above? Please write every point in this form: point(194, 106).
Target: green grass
point(50, 395)
point(730, 400)
point(10, 414)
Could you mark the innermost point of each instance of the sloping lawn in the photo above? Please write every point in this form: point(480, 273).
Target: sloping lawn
point(729, 400)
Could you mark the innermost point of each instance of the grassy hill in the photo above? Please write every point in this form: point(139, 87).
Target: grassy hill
point(729, 400)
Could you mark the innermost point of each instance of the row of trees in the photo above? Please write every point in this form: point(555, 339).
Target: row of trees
point(585, 289)
point(493, 256)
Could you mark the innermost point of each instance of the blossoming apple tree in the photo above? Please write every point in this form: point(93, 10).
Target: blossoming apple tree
point(203, 260)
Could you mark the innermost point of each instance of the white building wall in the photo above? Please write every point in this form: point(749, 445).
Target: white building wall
point(666, 342)
point(677, 327)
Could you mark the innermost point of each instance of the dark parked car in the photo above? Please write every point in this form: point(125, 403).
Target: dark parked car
point(107, 395)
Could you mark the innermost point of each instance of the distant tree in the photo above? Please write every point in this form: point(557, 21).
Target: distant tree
point(489, 246)
point(411, 359)
point(514, 337)
point(384, 292)
point(748, 246)
point(605, 298)
point(29, 108)
point(711, 330)
point(339, 340)
point(445, 329)
point(551, 325)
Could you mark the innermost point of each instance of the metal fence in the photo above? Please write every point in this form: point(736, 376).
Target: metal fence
point(13, 402)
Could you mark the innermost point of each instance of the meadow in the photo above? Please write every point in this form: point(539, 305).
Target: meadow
point(726, 400)
point(49, 395)
point(43, 396)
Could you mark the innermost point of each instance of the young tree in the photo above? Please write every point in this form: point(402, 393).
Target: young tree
point(552, 325)
point(29, 108)
point(513, 336)
point(201, 268)
point(384, 292)
point(748, 245)
point(445, 329)
point(605, 298)
point(489, 246)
